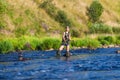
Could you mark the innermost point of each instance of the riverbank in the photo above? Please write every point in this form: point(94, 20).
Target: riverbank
point(35, 43)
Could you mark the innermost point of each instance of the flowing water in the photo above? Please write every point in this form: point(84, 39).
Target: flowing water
point(84, 64)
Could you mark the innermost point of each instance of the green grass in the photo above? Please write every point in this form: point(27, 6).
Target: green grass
point(35, 43)
point(6, 46)
point(100, 28)
point(106, 40)
point(19, 20)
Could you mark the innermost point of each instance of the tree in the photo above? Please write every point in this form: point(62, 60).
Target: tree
point(95, 11)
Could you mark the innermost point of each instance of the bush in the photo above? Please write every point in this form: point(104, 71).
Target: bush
point(104, 42)
point(110, 39)
point(116, 30)
point(20, 31)
point(91, 43)
point(56, 43)
point(2, 24)
point(6, 46)
point(3, 6)
point(118, 40)
point(50, 43)
point(94, 11)
point(49, 7)
point(100, 28)
point(63, 19)
point(75, 32)
point(18, 21)
point(56, 13)
point(47, 44)
point(35, 44)
point(21, 42)
point(107, 40)
point(76, 43)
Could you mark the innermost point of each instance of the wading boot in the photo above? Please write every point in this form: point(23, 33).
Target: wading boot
point(58, 54)
point(67, 54)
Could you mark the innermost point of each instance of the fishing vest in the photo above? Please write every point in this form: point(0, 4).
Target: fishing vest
point(66, 36)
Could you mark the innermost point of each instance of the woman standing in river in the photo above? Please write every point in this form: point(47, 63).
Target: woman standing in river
point(65, 42)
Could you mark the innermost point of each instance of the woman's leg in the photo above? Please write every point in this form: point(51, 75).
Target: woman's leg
point(67, 49)
point(60, 49)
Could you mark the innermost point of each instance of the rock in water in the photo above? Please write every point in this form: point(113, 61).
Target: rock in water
point(118, 51)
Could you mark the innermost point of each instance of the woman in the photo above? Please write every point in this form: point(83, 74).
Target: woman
point(65, 42)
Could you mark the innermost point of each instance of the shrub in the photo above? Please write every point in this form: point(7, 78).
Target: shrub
point(35, 44)
point(56, 43)
point(14, 42)
point(2, 24)
point(92, 43)
point(46, 44)
point(3, 6)
point(107, 40)
point(75, 33)
point(63, 19)
point(18, 20)
point(49, 43)
point(77, 43)
point(104, 42)
point(21, 42)
point(49, 7)
point(56, 13)
point(6, 46)
point(116, 30)
point(118, 40)
point(20, 31)
point(110, 39)
point(94, 11)
point(100, 28)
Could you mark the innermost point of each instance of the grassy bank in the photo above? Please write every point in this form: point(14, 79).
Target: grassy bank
point(35, 43)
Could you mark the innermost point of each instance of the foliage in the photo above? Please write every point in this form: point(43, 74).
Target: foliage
point(2, 24)
point(91, 43)
point(34, 43)
point(18, 21)
point(75, 33)
point(104, 42)
point(63, 18)
point(86, 42)
point(56, 13)
point(118, 40)
point(3, 6)
point(49, 7)
point(107, 40)
point(20, 31)
point(116, 30)
point(6, 46)
point(56, 43)
point(110, 39)
point(76, 43)
point(100, 28)
point(50, 43)
point(94, 11)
